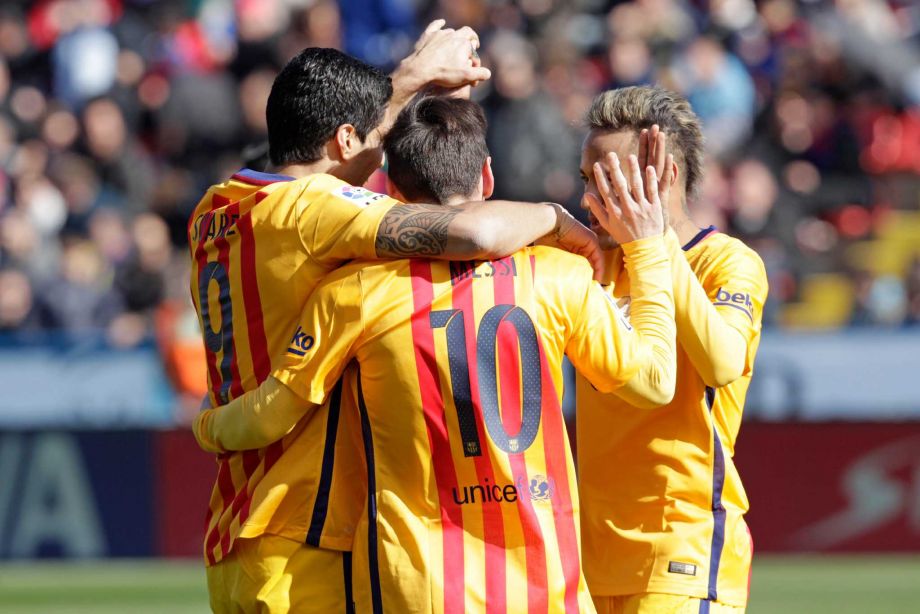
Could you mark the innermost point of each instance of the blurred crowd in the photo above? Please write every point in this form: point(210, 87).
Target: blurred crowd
point(115, 116)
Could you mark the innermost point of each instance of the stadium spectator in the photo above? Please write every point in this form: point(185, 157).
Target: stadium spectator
point(810, 109)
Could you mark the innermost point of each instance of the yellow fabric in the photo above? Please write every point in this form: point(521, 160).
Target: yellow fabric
point(647, 475)
point(659, 603)
point(265, 244)
point(262, 419)
point(426, 475)
point(275, 575)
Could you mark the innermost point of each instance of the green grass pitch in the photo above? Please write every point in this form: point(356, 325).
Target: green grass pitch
point(781, 585)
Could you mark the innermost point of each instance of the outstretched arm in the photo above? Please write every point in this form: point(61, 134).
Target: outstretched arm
point(320, 348)
point(481, 231)
point(443, 57)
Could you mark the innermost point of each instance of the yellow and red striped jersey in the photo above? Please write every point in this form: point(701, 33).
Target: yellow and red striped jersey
point(472, 504)
point(662, 503)
point(259, 245)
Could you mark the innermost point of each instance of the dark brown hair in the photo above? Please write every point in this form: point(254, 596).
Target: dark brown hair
point(436, 149)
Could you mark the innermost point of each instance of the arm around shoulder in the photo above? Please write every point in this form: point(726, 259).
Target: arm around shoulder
point(256, 419)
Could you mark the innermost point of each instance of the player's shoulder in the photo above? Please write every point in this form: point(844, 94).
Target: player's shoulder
point(321, 186)
point(554, 267)
point(369, 274)
point(555, 261)
point(726, 249)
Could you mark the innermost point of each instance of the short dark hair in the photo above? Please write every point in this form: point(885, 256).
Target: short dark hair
point(315, 93)
point(436, 148)
point(634, 108)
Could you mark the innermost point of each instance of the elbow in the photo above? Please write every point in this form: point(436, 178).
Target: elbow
point(660, 395)
point(201, 428)
point(724, 374)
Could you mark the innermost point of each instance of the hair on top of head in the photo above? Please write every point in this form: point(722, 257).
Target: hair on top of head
point(315, 93)
point(638, 107)
point(436, 148)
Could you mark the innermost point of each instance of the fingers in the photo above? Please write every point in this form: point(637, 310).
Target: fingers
point(651, 186)
point(474, 74)
point(434, 26)
point(596, 258)
point(644, 147)
point(593, 204)
point(668, 175)
point(661, 150)
point(469, 33)
point(608, 193)
point(635, 178)
point(620, 187)
point(430, 30)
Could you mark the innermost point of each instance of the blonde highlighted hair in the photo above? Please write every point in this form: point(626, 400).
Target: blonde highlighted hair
point(634, 108)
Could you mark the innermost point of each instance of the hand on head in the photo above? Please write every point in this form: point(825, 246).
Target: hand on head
point(449, 58)
point(573, 236)
point(628, 209)
point(653, 144)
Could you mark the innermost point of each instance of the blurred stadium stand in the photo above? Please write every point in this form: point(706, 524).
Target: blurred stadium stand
point(115, 115)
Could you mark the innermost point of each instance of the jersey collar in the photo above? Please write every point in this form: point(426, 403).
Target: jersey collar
point(699, 237)
point(247, 175)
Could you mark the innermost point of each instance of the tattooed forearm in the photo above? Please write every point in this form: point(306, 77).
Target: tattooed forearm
point(409, 231)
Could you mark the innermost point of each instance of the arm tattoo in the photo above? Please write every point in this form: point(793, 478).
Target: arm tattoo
point(409, 231)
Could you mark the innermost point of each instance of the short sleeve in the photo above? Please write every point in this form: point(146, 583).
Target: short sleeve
point(339, 222)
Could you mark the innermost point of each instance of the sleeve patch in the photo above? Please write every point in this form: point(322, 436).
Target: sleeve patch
point(301, 343)
point(737, 300)
point(358, 196)
point(621, 308)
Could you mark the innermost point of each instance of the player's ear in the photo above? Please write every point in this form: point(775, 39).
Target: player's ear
point(675, 173)
point(393, 191)
point(347, 143)
point(488, 179)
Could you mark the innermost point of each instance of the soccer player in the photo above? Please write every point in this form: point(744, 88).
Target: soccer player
point(260, 243)
point(662, 504)
point(471, 502)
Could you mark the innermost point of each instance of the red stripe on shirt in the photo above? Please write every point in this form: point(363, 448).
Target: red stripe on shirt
point(443, 463)
point(554, 446)
point(493, 526)
point(252, 302)
point(225, 488)
point(535, 546)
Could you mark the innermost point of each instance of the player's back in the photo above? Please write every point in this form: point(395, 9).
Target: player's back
point(472, 501)
point(260, 244)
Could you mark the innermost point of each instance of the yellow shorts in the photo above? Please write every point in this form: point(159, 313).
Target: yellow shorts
point(276, 575)
point(660, 603)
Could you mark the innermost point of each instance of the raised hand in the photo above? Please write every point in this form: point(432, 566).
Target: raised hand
point(446, 57)
point(653, 144)
point(573, 236)
point(627, 210)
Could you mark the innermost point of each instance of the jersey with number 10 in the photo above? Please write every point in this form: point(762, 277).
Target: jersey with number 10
point(259, 245)
point(472, 504)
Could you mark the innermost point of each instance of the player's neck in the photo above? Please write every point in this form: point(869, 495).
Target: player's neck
point(459, 199)
point(684, 227)
point(297, 171)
